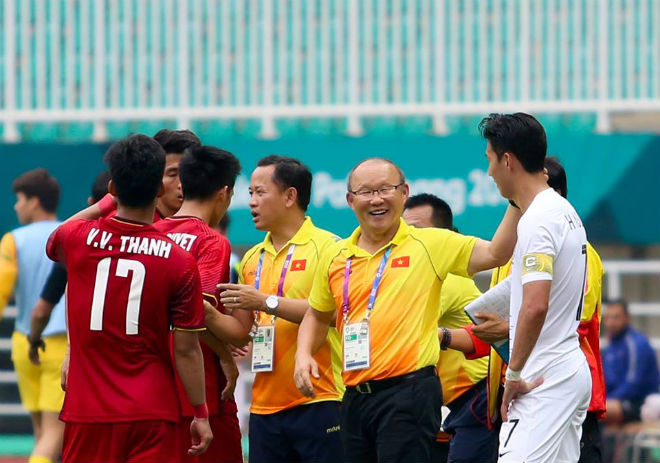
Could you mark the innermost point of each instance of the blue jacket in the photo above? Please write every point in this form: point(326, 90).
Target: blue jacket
point(631, 368)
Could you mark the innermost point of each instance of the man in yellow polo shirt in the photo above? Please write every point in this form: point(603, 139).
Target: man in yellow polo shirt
point(384, 284)
point(463, 381)
point(276, 276)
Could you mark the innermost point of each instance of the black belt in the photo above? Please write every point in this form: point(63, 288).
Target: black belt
point(369, 387)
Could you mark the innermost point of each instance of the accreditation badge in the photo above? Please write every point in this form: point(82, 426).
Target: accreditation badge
point(263, 348)
point(356, 346)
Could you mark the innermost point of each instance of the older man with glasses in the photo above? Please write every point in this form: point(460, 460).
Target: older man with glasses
point(382, 287)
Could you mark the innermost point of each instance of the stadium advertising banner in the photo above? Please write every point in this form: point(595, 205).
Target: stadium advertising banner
point(611, 179)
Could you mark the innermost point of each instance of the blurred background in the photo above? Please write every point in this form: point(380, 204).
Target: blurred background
point(334, 81)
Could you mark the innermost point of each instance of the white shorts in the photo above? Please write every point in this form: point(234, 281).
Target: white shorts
point(545, 425)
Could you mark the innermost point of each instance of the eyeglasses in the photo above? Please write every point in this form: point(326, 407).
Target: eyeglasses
point(383, 192)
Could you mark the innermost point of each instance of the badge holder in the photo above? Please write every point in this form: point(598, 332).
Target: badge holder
point(263, 349)
point(356, 346)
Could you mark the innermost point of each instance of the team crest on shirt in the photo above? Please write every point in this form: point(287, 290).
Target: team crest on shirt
point(399, 262)
point(298, 265)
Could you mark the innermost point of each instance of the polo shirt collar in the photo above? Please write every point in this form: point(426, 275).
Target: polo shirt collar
point(354, 250)
point(303, 236)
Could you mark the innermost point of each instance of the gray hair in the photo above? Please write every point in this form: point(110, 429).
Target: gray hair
point(402, 177)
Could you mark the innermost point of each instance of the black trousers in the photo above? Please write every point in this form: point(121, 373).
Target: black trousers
point(590, 443)
point(397, 424)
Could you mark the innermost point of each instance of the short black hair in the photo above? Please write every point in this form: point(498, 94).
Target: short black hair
point(402, 176)
point(40, 184)
point(556, 175)
point(291, 173)
point(100, 186)
point(205, 170)
point(136, 166)
point(620, 301)
point(177, 141)
point(442, 216)
point(519, 134)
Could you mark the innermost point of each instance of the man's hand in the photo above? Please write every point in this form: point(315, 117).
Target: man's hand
point(64, 373)
point(33, 351)
point(513, 390)
point(240, 352)
point(493, 329)
point(230, 370)
point(305, 365)
point(242, 297)
point(201, 436)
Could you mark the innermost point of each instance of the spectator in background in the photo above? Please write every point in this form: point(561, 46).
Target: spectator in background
point(24, 269)
point(631, 368)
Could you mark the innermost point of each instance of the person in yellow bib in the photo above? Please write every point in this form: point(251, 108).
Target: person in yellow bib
point(382, 288)
point(24, 269)
point(465, 435)
point(275, 278)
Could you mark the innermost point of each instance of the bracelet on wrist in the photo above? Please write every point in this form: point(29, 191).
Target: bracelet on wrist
point(446, 339)
point(512, 375)
point(201, 411)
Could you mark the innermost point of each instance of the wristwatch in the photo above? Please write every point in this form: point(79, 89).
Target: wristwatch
point(272, 303)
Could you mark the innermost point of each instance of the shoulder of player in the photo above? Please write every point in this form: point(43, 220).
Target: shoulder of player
point(430, 237)
point(77, 225)
point(321, 239)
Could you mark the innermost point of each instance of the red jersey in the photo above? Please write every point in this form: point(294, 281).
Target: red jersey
point(211, 250)
point(128, 284)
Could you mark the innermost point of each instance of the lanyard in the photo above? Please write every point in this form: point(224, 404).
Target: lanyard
point(374, 287)
point(285, 269)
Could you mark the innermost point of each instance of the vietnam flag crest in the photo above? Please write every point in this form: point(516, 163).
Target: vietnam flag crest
point(298, 265)
point(401, 262)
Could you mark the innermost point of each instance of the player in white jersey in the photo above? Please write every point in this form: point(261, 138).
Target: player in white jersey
point(548, 384)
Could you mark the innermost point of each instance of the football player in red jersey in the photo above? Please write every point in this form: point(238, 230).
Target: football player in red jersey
point(174, 142)
point(127, 285)
point(207, 176)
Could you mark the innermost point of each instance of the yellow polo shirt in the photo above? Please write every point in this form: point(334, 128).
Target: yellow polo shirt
point(457, 374)
point(404, 320)
point(276, 391)
point(8, 269)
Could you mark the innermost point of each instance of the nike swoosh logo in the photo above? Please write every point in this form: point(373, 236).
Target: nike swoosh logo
point(502, 454)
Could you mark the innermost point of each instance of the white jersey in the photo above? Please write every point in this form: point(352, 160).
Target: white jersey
point(552, 245)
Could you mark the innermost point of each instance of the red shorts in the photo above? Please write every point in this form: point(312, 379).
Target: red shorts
point(225, 446)
point(134, 441)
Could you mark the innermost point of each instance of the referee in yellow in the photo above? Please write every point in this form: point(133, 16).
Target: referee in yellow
point(382, 288)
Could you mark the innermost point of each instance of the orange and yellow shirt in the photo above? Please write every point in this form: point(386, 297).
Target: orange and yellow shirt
point(403, 323)
point(458, 374)
point(275, 391)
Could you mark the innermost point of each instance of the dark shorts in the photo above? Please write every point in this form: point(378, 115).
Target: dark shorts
point(134, 442)
point(306, 433)
point(467, 422)
point(397, 424)
point(590, 443)
point(225, 446)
